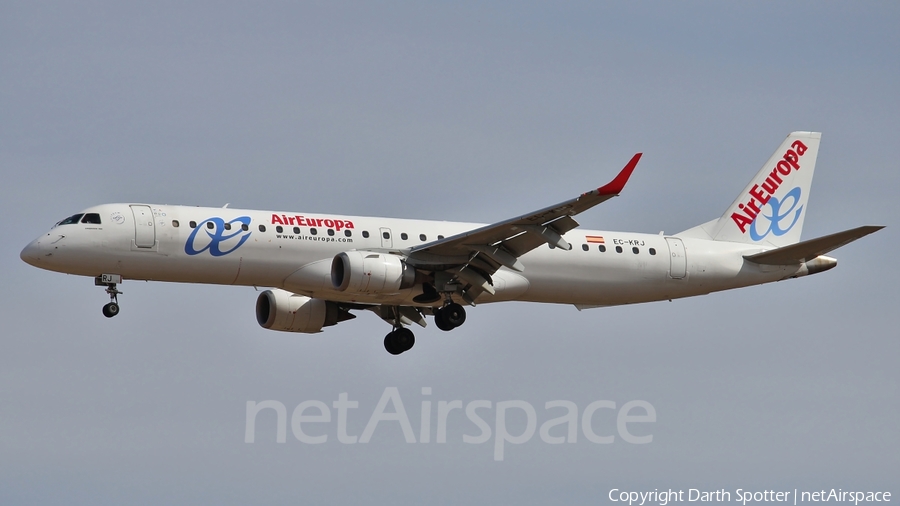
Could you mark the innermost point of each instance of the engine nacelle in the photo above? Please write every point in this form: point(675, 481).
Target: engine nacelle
point(282, 310)
point(370, 272)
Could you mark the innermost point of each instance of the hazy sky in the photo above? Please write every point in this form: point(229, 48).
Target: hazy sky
point(451, 111)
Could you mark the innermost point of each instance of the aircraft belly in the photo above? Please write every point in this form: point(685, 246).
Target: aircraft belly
point(598, 282)
point(508, 285)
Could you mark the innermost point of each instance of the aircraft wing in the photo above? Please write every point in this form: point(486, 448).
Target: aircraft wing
point(487, 248)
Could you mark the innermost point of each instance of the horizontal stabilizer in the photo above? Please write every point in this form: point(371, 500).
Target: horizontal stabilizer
point(807, 250)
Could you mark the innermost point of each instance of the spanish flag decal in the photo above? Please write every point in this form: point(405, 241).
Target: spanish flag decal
point(596, 239)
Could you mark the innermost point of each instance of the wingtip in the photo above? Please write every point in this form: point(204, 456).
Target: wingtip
point(874, 228)
point(615, 186)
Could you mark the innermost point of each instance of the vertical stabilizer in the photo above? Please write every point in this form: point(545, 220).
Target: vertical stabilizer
point(771, 208)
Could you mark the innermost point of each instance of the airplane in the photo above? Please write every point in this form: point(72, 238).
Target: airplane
point(320, 267)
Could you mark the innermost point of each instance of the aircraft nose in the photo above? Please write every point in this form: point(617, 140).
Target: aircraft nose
point(31, 254)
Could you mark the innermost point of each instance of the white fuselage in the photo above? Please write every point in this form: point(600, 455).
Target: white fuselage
point(295, 251)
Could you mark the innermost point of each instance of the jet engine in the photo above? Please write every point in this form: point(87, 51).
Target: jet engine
point(370, 272)
point(285, 311)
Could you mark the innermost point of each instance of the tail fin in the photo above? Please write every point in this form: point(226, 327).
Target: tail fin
point(771, 208)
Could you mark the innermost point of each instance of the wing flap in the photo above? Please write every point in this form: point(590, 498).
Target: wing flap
point(500, 256)
point(807, 250)
point(406, 315)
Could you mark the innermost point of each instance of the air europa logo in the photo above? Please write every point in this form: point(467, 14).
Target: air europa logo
point(778, 215)
point(763, 194)
point(310, 222)
point(215, 236)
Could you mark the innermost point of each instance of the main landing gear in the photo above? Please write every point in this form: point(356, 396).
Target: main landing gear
point(450, 316)
point(109, 281)
point(401, 339)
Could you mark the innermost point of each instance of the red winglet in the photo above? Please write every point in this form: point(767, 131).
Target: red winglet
point(615, 186)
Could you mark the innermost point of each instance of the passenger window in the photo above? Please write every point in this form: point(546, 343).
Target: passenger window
point(584, 247)
point(404, 236)
point(245, 227)
point(92, 218)
point(366, 234)
point(192, 224)
point(635, 250)
point(279, 229)
point(227, 226)
point(386, 235)
point(602, 249)
point(210, 225)
point(422, 237)
point(440, 237)
point(618, 249)
point(652, 251)
point(313, 231)
point(330, 231)
point(175, 223)
point(262, 228)
point(347, 232)
point(296, 230)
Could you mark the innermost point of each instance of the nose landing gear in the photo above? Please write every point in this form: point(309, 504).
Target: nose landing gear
point(111, 309)
point(109, 281)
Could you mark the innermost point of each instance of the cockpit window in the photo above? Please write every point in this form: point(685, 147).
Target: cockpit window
point(70, 220)
point(92, 218)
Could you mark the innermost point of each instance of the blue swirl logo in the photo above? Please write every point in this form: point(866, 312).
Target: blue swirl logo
point(216, 236)
point(778, 215)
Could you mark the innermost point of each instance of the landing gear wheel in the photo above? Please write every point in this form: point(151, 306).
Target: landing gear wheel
point(440, 319)
point(398, 341)
point(110, 310)
point(454, 314)
point(390, 346)
point(405, 339)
